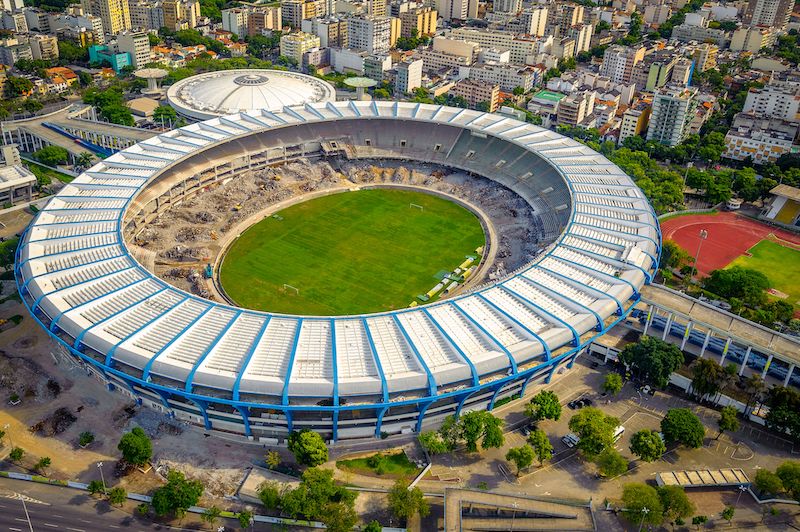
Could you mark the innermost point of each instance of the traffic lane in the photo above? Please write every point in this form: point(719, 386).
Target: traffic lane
point(47, 517)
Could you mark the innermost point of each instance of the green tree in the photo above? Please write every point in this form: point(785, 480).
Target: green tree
point(273, 459)
point(84, 160)
point(728, 420)
point(136, 447)
point(652, 360)
point(16, 454)
point(211, 515)
point(433, 442)
point(611, 463)
point(784, 411)
point(16, 86)
point(647, 445)
point(789, 473)
point(315, 492)
point(117, 496)
point(339, 517)
point(177, 495)
point(767, 482)
point(406, 503)
point(544, 405)
point(707, 376)
point(681, 425)
point(635, 498)
point(743, 283)
point(51, 155)
point(373, 526)
point(727, 514)
point(308, 448)
point(481, 426)
point(541, 445)
point(755, 387)
point(699, 520)
point(42, 465)
point(164, 114)
point(95, 487)
point(270, 495)
point(595, 430)
point(245, 517)
point(522, 457)
point(672, 255)
point(675, 504)
point(612, 383)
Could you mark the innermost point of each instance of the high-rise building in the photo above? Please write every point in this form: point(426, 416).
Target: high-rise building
point(294, 45)
point(137, 45)
point(293, 12)
point(332, 31)
point(44, 47)
point(634, 120)
point(409, 76)
point(457, 9)
point(774, 101)
point(673, 110)
point(265, 18)
point(235, 20)
point(657, 13)
point(682, 72)
point(146, 14)
point(115, 14)
point(13, 5)
point(369, 33)
point(771, 13)
point(618, 62)
point(180, 14)
point(705, 56)
point(422, 19)
point(507, 6)
point(478, 93)
point(534, 20)
point(582, 33)
point(752, 39)
point(376, 8)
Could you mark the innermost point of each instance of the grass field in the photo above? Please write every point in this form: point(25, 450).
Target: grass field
point(780, 264)
point(349, 253)
point(395, 466)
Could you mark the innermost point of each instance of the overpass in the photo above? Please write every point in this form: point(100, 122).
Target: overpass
point(78, 120)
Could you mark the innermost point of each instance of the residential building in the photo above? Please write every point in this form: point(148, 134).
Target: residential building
point(705, 56)
point(534, 20)
point(12, 51)
point(573, 109)
point(770, 13)
point(376, 8)
point(13, 5)
point(657, 14)
point(655, 71)
point(478, 93)
point(422, 19)
point(115, 14)
point(682, 72)
point(408, 76)
point(688, 33)
point(752, 39)
point(774, 101)
point(376, 66)
point(394, 31)
point(369, 33)
point(44, 47)
point(457, 9)
point(507, 6)
point(761, 140)
point(146, 14)
point(294, 45)
point(294, 12)
point(449, 53)
point(634, 120)
point(618, 62)
point(673, 111)
point(332, 31)
point(345, 60)
point(99, 53)
point(76, 23)
point(181, 14)
point(265, 18)
point(234, 20)
point(508, 77)
point(15, 22)
point(137, 45)
point(582, 34)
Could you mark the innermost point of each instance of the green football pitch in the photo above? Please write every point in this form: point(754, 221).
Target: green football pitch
point(780, 264)
point(349, 253)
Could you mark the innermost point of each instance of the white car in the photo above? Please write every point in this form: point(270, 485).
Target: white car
point(570, 440)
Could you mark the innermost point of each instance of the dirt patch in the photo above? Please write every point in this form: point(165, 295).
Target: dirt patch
point(54, 424)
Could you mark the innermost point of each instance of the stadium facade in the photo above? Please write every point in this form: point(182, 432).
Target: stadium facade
point(262, 375)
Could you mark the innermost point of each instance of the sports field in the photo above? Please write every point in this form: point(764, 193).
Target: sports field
point(349, 253)
point(780, 264)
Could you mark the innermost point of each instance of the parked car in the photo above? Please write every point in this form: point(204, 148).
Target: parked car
point(575, 404)
point(586, 401)
point(570, 440)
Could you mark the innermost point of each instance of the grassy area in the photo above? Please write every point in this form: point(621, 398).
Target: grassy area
point(349, 253)
point(394, 466)
point(45, 175)
point(780, 264)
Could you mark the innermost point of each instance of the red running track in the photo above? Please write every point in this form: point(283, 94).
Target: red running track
point(729, 236)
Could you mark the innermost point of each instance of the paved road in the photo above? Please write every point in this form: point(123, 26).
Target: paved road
point(52, 509)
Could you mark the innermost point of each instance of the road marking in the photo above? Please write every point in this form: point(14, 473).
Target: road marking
point(21, 520)
point(113, 526)
point(76, 529)
point(84, 521)
point(59, 516)
point(15, 529)
point(51, 525)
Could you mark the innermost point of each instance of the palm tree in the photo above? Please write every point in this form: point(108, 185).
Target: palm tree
point(84, 160)
point(755, 387)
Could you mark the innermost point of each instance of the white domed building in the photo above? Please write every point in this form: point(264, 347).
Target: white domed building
point(225, 92)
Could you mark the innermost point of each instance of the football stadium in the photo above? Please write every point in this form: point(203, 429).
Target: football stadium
point(86, 275)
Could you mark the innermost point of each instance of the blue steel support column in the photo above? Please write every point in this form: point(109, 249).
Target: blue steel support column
point(380, 412)
point(335, 416)
point(149, 365)
point(462, 312)
point(533, 373)
point(164, 396)
point(464, 400)
point(110, 354)
point(431, 381)
point(203, 406)
point(473, 370)
point(245, 412)
point(249, 355)
point(421, 415)
point(576, 338)
point(205, 353)
point(494, 397)
point(288, 377)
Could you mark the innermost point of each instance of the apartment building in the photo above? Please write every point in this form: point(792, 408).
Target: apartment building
point(181, 14)
point(770, 13)
point(369, 33)
point(634, 120)
point(293, 12)
point(762, 140)
point(774, 101)
point(457, 9)
point(508, 77)
point(619, 61)
point(264, 18)
point(137, 45)
point(332, 31)
point(408, 76)
point(115, 14)
point(705, 56)
point(752, 39)
point(478, 93)
point(673, 111)
point(574, 109)
point(294, 45)
point(421, 19)
point(44, 47)
point(235, 21)
point(146, 14)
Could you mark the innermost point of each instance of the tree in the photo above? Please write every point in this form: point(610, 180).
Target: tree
point(789, 473)
point(544, 405)
point(117, 496)
point(699, 520)
point(339, 517)
point(136, 447)
point(373, 526)
point(315, 492)
point(681, 425)
point(270, 495)
point(273, 459)
point(743, 283)
point(727, 514)
point(245, 518)
point(728, 420)
point(674, 502)
point(94, 487)
point(177, 495)
point(481, 426)
point(647, 445)
point(84, 160)
point(541, 445)
point(433, 442)
point(595, 430)
point(16, 86)
point(164, 114)
point(42, 465)
point(611, 463)
point(652, 360)
point(406, 503)
point(308, 448)
point(51, 155)
point(707, 376)
point(768, 482)
point(784, 411)
point(635, 498)
point(211, 515)
point(612, 383)
point(16, 454)
point(522, 457)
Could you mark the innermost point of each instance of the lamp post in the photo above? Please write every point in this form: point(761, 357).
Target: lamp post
point(645, 511)
point(102, 478)
point(742, 489)
point(25, 508)
point(513, 515)
point(703, 235)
